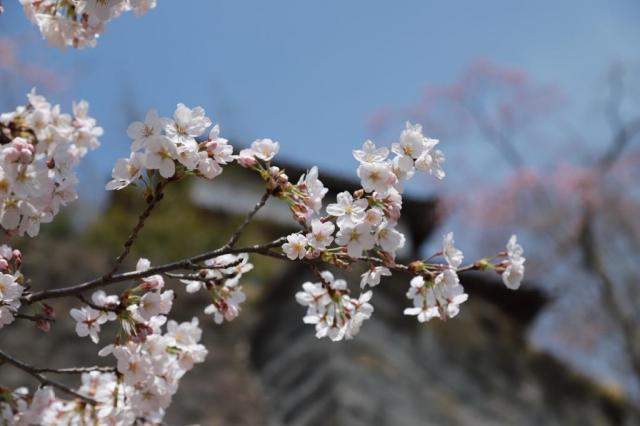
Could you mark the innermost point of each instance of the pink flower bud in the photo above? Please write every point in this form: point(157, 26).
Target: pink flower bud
point(154, 282)
point(246, 158)
point(43, 325)
point(17, 256)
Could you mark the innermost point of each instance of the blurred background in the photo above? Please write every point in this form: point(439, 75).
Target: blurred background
point(537, 108)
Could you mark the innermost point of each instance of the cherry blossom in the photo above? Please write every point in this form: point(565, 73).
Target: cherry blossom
point(373, 275)
point(221, 279)
point(36, 179)
point(330, 308)
point(169, 145)
point(321, 234)
point(356, 238)
point(514, 271)
point(295, 247)
point(88, 322)
point(439, 299)
point(78, 23)
point(348, 211)
point(452, 255)
point(265, 149)
point(37, 165)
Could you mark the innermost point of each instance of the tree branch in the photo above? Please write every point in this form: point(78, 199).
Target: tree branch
point(76, 370)
point(155, 199)
point(132, 275)
point(238, 232)
point(34, 372)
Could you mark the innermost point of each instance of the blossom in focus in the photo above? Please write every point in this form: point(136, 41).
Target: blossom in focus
point(164, 144)
point(295, 247)
point(331, 310)
point(265, 149)
point(88, 322)
point(440, 299)
point(321, 234)
point(37, 167)
point(373, 275)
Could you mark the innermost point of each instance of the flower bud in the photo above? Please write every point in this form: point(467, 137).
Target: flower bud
point(43, 325)
point(17, 258)
point(246, 159)
point(274, 171)
point(417, 266)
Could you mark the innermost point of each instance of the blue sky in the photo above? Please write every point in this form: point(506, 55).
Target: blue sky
point(308, 74)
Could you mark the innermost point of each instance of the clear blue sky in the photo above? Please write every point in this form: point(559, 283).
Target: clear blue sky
point(309, 73)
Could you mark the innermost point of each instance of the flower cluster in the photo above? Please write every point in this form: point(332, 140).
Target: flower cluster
point(10, 288)
point(148, 375)
point(442, 297)
point(363, 223)
point(135, 308)
point(221, 278)
point(20, 408)
point(149, 363)
point(357, 224)
point(150, 370)
point(360, 226)
point(41, 147)
point(367, 219)
point(335, 314)
point(261, 149)
point(78, 23)
point(167, 144)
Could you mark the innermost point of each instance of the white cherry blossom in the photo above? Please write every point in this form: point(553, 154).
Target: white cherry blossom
point(356, 238)
point(451, 254)
point(373, 275)
point(348, 211)
point(160, 155)
point(296, 246)
point(265, 149)
point(88, 322)
point(321, 234)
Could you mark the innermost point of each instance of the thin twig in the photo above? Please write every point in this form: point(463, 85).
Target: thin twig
point(158, 194)
point(34, 318)
point(132, 275)
point(238, 232)
point(76, 370)
point(34, 372)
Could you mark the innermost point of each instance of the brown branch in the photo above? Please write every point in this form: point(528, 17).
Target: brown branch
point(76, 370)
point(158, 194)
point(187, 263)
point(34, 318)
point(34, 372)
point(238, 232)
point(105, 308)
